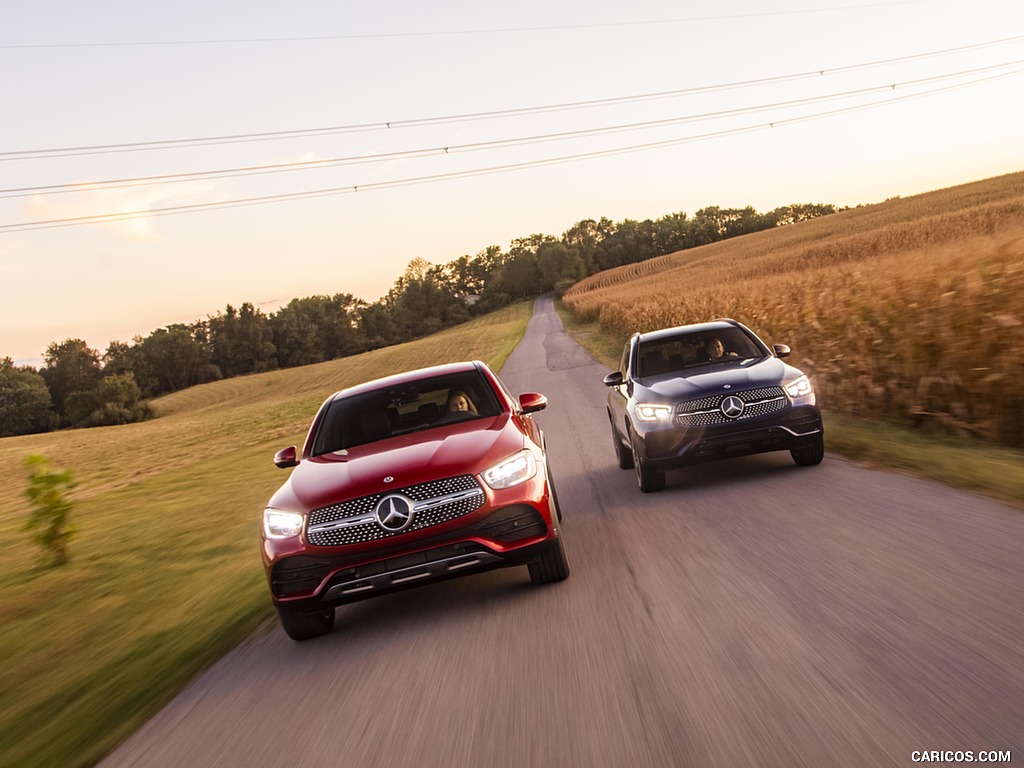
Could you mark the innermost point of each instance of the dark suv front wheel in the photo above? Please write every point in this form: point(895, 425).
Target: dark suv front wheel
point(647, 477)
point(810, 454)
point(622, 454)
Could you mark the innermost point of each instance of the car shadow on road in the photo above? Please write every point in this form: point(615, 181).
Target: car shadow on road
point(735, 472)
point(422, 608)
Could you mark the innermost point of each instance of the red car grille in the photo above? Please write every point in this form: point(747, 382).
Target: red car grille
point(353, 521)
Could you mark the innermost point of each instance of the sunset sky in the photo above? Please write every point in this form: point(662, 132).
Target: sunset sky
point(453, 126)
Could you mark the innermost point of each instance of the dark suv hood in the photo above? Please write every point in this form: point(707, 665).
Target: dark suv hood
point(457, 449)
point(700, 382)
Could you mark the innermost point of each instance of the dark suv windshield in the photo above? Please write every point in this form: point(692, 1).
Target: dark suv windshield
point(380, 414)
point(677, 353)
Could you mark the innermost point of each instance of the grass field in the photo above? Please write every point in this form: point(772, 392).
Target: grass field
point(165, 576)
point(910, 310)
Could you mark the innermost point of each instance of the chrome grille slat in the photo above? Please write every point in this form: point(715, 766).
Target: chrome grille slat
point(705, 410)
point(353, 521)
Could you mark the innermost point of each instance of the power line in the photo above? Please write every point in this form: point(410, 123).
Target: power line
point(457, 32)
point(16, 192)
point(99, 149)
point(433, 178)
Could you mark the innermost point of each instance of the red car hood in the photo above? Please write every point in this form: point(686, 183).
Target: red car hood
point(458, 449)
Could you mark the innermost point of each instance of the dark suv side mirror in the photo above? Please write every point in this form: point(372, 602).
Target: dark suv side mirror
point(613, 379)
point(781, 350)
point(286, 457)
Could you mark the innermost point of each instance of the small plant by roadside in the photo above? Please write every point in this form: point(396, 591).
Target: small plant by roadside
point(50, 516)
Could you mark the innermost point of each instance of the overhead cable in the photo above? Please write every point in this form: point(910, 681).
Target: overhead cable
point(304, 165)
point(433, 178)
point(100, 149)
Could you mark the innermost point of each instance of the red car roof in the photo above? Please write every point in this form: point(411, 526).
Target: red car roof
point(407, 377)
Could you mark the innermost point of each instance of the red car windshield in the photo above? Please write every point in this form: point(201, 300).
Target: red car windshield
point(377, 415)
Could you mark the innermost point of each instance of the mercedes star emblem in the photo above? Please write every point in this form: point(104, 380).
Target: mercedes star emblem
point(393, 513)
point(732, 407)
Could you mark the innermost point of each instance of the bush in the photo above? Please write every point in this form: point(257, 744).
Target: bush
point(51, 508)
point(115, 400)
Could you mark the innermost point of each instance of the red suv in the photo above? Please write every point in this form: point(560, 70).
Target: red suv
point(407, 480)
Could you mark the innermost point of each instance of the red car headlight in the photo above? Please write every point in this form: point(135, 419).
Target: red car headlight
point(279, 524)
point(516, 469)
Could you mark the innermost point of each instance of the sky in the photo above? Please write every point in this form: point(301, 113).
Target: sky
point(376, 133)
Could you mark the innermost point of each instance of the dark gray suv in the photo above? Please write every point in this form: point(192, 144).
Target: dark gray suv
point(709, 391)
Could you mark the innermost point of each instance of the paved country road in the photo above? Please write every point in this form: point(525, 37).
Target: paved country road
point(755, 613)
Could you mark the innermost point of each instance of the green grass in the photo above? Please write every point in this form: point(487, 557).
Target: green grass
point(165, 575)
point(958, 462)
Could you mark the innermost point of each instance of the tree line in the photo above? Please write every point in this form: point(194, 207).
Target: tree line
point(80, 387)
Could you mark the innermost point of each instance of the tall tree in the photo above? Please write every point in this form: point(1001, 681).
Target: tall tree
point(121, 357)
point(469, 275)
point(631, 242)
point(421, 302)
point(796, 212)
point(723, 223)
point(585, 236)
point(559, 263)
point(317, 328)
point(479, 276)
point(25, 404)
point(376, 323)
point(240, 341)
point(177, 358)
point(520, 276)
point(674, 232)
point(71, 366)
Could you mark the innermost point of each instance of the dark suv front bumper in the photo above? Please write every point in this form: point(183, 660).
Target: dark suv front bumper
point(676, 446)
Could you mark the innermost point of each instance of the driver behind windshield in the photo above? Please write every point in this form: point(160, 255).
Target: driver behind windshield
point(459, 401)
point(716, 350)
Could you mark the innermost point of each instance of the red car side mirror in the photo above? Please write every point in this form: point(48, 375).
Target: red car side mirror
point(532, 402)
point(286, 457)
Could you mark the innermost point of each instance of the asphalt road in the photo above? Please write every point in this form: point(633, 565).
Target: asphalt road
point(755, 613)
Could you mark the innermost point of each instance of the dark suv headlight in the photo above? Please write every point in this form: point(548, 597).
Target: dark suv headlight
point(651, 412)
point(799, 387)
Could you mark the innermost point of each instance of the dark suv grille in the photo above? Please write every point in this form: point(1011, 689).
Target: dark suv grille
point(707, 410)
point(353, 521)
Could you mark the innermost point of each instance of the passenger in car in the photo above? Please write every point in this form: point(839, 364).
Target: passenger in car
point(460, 401)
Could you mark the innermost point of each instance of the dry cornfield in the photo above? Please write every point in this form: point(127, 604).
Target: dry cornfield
point(912, 309)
